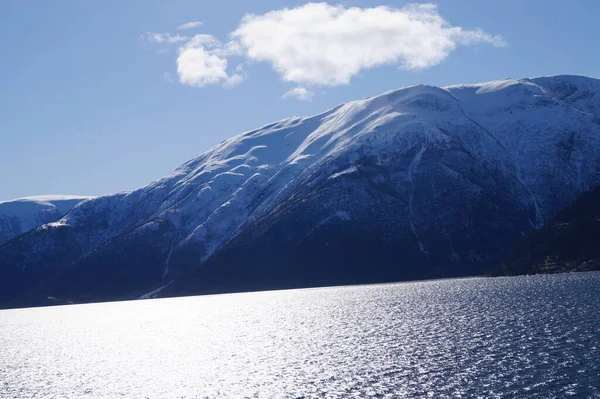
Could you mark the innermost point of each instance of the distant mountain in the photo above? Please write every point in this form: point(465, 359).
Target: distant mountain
point(23, 214)
point(569, 242)
point(419, 182)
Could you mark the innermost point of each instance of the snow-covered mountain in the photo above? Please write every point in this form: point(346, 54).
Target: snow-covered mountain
point(23, 214)
point(414, 183)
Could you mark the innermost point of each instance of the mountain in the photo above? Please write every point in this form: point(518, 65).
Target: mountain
point(23, 214)
point(415, 183)
point(568, 242)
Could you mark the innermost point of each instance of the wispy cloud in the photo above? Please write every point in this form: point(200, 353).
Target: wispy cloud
point(299, 93)
point(190, 25)
point(318, 44)
point(233, 81)
point(165, 38)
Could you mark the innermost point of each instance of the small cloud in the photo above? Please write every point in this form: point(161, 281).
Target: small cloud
point(198, 67)
point(165, 38)
point(233, 81)
point(202, 61)
point(190, 25)
point(299, 93)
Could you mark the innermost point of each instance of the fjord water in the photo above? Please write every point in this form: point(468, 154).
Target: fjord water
point(536, 336)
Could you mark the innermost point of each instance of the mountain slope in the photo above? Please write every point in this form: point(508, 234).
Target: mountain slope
point(23, 214)
point(415, 183)
point(570, 241)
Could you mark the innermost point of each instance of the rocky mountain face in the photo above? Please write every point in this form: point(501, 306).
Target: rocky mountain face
point(418, 182)
point(568, 242)
point(24, 214)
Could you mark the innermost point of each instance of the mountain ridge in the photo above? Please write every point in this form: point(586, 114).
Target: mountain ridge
point(447, 177)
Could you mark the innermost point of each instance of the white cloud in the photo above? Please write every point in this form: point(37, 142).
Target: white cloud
point(197, 67)
point(201, 62)
point(321, 44)
point(190, 25)
point(318, 44)
point(165, 38)
point(299, 93)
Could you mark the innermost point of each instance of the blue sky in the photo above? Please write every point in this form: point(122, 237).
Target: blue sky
point(105, 96)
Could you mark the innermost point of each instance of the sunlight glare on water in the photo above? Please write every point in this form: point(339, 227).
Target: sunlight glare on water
point(533, 337)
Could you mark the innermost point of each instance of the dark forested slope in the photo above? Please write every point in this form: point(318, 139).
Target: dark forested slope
point(569, 242)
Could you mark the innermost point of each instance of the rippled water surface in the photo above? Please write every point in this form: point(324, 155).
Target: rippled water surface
point(504, 337)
